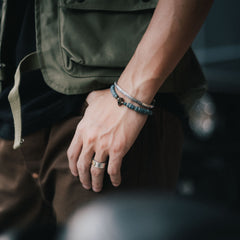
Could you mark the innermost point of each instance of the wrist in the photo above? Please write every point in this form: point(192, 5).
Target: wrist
point(140, 79)
point(139, 108)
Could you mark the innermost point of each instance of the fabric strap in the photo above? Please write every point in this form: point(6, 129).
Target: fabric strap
point(29, 63)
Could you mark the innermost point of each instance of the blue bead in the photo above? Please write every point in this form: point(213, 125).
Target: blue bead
point(129, 105)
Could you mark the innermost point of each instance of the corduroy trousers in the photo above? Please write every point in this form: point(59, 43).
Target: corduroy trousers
point(36, 185)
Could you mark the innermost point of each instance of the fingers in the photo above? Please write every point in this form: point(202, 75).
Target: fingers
point(80, 163)
point(80, 154)
point(83, 166)
point(80, 157)
point(97, 173)
point(114, 170)
point(73, 153)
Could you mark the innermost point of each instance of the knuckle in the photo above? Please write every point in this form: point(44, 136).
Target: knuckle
point(79, 167)
point(71, 156)
point(103, 146)
point(95, 172)
point(113, 171)
point(118, 148)
point(82, 167)
point(91, 139)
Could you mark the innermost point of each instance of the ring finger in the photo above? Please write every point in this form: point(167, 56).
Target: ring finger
point(97, 172)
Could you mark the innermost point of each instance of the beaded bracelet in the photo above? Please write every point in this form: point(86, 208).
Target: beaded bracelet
point(145, 105)
point(129, 105)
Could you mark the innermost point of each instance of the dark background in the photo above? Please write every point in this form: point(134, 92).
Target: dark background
point(210, 164)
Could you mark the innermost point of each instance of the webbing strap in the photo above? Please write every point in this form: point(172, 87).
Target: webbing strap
point(28, 63)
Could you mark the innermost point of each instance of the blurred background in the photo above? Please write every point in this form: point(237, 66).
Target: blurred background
point(210, 165)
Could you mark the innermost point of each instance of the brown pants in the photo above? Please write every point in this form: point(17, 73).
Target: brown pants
point(37, 186)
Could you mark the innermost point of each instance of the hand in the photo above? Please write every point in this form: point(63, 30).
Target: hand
point(106, 131)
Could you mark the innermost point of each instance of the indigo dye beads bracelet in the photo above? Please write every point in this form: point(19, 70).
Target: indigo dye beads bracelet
point(145, 105)
point(129, 105)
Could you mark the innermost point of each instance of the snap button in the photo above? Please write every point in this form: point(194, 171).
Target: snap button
point(146, 0)
point(80, 0)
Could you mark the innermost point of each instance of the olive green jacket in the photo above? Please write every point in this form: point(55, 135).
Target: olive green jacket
point(84, 45)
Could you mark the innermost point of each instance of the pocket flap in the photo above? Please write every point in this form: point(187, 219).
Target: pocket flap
point(101, 33)
point(109, 5)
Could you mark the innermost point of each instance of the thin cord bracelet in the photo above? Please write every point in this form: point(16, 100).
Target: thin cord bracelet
point(129, 105)
point(145, 105)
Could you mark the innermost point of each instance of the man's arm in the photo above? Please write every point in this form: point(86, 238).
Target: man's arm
point(171, 31)
point(108, 130)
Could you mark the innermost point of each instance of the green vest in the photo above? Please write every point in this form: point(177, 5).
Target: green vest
point(84, 45)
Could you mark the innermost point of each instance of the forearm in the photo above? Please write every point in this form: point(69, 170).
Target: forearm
point(171, 31)
point(107, 131)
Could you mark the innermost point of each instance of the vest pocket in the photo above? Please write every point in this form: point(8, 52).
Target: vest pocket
point(101, 33)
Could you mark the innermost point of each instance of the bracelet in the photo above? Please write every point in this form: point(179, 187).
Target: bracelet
point(145, 105)
point(129, 105)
